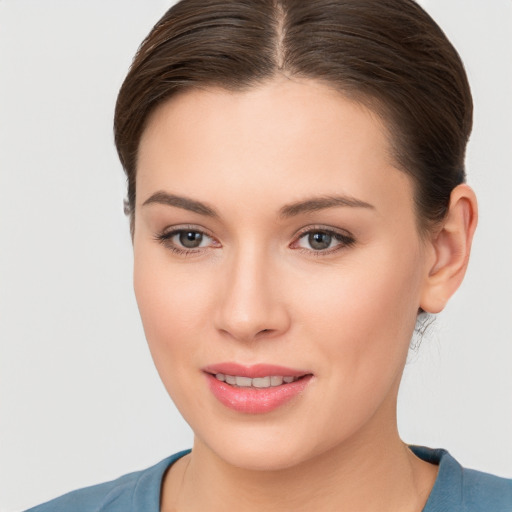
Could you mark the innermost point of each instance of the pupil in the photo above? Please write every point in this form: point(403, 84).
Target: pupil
point(191, 239)
point(320, 240)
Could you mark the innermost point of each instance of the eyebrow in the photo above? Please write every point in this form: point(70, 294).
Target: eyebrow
point(321, 203)
point(289, 210)
point(184, 203)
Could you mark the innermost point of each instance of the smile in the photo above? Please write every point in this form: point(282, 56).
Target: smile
point(256, 389)
point(257, 382)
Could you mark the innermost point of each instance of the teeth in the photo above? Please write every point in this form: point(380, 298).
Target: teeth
point(276, 381)
point(261, 382)
point(258, 382)
point(243, 382)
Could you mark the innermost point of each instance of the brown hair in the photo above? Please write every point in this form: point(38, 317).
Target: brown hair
point(389, 55)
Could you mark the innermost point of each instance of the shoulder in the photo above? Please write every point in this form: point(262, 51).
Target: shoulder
point(135, 491)
point(481, 489)
point(111, 496)
point(465, 490)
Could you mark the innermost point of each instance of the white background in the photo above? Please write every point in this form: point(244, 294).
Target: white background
point(80, 401)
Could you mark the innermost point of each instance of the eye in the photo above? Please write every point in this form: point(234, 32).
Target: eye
point(186, 240)
point(190, 239)
point(319, 241)
point(323, 240)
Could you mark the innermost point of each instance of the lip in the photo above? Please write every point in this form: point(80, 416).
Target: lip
point(253, 371)
point(249, 400)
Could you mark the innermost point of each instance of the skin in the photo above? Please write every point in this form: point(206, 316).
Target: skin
point(256, 291)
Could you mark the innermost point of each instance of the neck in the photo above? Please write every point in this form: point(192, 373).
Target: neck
point(367, 474)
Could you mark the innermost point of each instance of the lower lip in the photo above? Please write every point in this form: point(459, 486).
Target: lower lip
point(256, 400)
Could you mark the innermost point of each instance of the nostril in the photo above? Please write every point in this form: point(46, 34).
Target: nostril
point(264, 332)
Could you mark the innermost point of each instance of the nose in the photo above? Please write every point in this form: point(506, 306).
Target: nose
point(251, 304)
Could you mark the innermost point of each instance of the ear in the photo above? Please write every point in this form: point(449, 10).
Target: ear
point(449, 249)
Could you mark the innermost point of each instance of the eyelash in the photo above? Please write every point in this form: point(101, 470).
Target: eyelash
point(345, 240)
point(165, 238)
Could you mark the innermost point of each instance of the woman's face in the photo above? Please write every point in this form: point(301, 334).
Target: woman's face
point(275, 238)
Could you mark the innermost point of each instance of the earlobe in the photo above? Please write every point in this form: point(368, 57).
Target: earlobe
point(450, 246)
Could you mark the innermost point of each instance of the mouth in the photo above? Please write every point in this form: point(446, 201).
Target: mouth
point(255, 389)
point(269, 381)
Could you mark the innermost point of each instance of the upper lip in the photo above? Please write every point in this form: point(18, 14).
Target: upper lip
point(253, 371)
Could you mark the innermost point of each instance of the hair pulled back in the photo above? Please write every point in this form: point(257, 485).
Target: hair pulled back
point(389, 55)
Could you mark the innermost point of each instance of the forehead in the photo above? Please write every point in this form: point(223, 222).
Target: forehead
point(284, 138)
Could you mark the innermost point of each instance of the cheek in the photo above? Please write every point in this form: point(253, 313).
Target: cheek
point(364, 312)
point(359, 321)
point(173, 304)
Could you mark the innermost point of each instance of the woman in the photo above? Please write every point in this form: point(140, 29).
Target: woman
point(297, 201)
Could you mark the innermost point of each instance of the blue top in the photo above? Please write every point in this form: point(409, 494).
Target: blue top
point(456, 490)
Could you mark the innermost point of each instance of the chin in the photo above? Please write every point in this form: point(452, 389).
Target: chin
point(267, 449)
